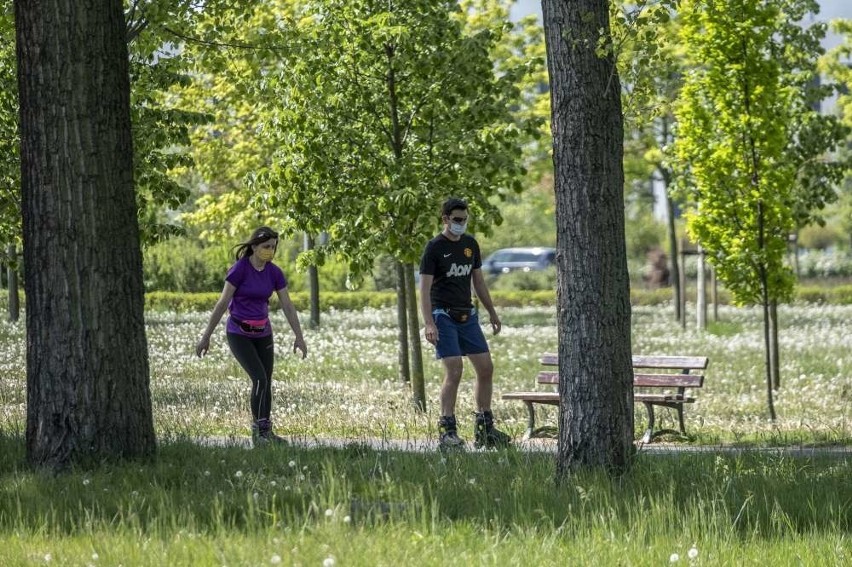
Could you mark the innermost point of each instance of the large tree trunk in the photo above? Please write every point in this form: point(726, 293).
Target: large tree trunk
point(88, 393)
point(593, 290)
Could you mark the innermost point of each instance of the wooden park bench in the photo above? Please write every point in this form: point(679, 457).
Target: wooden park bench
point(661, 381)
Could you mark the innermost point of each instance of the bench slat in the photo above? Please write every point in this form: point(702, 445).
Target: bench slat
point(641, 380)
point(538, 397)
point(642, 361)
point(641, 397)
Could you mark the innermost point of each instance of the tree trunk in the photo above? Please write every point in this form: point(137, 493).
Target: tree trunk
point(88, 393)
point(418, 387)
point(313, 286)
point(402, 323)
point(774, 353)
point(767, 340)
point(593, 290)
point(701, 293)
point(673, 251)
point(12, 282)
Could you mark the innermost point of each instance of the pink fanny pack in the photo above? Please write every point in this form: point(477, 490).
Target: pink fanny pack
point(252, 325)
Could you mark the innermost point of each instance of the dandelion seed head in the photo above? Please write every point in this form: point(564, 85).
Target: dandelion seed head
point(674, 558)
point(692, 553)
point(329, 561)
point(275, 559)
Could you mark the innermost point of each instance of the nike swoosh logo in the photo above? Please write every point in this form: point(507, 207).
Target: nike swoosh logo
point(448, 255)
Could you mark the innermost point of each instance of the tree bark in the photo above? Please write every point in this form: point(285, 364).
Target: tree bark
point(671, 227)
point(402, 323)
point(593, 290)
point(88, 392)
point(313, 286)
point(12, 283)
point(774, 348)
point(418, 386)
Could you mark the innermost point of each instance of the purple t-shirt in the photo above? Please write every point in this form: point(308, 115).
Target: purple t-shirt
point(251, 299)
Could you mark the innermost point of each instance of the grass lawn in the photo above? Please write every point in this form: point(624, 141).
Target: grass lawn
point(353, 505)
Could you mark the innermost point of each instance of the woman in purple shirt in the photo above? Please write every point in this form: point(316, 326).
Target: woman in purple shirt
point(248, 286)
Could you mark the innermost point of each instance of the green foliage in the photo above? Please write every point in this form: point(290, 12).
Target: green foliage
point(643, 233)
point(524, 281)
point(384, 110)
point(183, 264)
point(737, 119)
point(10, 166)
point(160, 132)
point(818, 237)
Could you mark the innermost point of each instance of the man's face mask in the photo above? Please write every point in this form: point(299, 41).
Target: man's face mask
point(458, 226)
point(265, 254)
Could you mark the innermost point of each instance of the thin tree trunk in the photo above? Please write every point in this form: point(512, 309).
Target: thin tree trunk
point(88, 396)
point(402, 323)
point(774, 352)
point(701, 292)
point(313, 285)
point(593, 290)
point(12, 282)
point(418, 387)
point(674, 255)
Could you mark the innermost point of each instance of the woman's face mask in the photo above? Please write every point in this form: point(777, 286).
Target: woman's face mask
point(265, 254)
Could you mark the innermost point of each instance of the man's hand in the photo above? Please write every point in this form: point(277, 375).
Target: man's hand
point(496, 325)
point(431, 332)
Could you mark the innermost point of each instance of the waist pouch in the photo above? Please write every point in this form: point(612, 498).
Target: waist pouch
point(252, 326)
point(459, 315)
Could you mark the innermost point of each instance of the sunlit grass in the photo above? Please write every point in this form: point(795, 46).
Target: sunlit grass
point(225, 505)
point(353, 505)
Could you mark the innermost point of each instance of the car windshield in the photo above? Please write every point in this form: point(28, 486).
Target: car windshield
point(520, 257)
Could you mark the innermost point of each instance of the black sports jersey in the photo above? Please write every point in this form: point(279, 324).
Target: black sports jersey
point(451, 264)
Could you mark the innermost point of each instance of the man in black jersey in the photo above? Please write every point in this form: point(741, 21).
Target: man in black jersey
point(449, 264)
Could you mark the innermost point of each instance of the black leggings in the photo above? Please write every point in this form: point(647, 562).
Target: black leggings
point(256, 357)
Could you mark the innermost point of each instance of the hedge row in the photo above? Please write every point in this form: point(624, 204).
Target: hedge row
point(348, 300)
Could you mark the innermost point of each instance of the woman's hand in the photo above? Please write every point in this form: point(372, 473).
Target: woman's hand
point(299, 344)
point(202, 347)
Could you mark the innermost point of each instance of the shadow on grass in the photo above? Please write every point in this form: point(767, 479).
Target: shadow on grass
point(211, 488)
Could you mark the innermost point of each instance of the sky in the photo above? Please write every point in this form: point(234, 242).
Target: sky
point(829, 10)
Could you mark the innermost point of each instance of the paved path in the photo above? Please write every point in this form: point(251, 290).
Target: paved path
point(541, 446)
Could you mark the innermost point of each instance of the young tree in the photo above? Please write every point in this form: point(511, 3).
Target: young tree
point(593, 295)
point(88, 391)
point(749, 145)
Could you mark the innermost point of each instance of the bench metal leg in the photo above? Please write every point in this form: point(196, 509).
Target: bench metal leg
point(533, 431)
point(530, 421)
point(650, 433)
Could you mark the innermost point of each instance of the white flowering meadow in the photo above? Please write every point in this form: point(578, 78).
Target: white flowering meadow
point(349, 387)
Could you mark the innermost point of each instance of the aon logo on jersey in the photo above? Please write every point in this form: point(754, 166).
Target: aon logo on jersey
point(456, 270)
